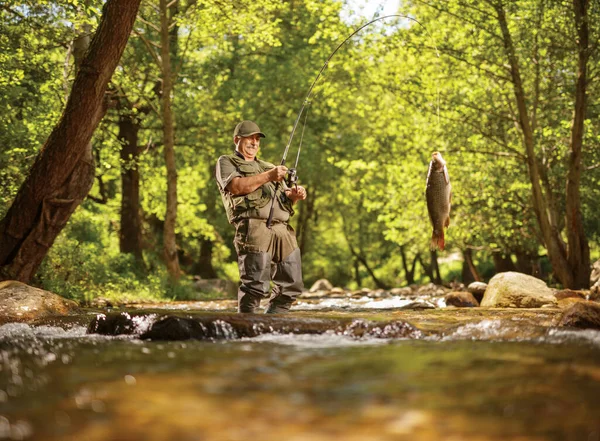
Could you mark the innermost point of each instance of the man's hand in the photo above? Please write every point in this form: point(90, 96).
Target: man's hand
point(296, 193)
point(278, 173)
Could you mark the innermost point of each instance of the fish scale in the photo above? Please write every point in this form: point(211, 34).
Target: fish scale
point(438, 194)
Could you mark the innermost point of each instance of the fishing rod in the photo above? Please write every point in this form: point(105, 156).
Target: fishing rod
point(293, 176)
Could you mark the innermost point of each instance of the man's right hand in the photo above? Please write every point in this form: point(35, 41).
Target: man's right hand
point(278, 173)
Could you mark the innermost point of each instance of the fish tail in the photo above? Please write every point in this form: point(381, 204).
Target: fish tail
point(437, 240)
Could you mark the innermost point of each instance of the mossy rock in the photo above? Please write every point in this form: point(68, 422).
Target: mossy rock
point(517, 290)
point(23, 303)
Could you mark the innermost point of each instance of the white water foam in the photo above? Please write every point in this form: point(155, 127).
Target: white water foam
point(483, 330)
point(568, 335)
point(10, 331)
point(328, 339)
point(368, 303)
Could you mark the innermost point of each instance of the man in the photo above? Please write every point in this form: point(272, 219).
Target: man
point(247, 185)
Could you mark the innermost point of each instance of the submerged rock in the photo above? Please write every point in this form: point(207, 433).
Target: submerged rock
point(112, 324)
point(461, 299)
point(477, 289)
point(23, 303)
point(234, 326)
point(517, 290)
point(582, 315)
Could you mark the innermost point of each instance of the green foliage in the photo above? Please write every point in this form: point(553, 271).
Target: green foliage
point(390, 97)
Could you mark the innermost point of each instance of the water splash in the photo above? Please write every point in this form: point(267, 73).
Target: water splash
point(365, 302)
point(329, 339)
point(19, 331)
point(557, 335)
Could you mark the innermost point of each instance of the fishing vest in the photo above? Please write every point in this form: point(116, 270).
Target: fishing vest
point(249, 205)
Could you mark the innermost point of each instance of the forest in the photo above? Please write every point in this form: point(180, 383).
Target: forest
point(114, 114)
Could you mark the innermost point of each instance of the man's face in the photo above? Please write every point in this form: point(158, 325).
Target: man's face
point(247, 145)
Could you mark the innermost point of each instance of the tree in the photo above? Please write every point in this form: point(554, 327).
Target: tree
point(61, 175)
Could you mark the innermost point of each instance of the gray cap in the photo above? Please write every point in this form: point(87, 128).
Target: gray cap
point(247, 128)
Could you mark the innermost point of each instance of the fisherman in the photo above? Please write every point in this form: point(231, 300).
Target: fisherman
point(264, 254)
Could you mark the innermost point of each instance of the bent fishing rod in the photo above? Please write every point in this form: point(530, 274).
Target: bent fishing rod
point(292, 172)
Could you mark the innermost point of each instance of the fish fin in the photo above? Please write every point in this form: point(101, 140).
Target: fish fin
point(437, 241)
point(447, 223)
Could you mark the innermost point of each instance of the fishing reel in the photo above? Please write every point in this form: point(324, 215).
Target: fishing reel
point(292, 177)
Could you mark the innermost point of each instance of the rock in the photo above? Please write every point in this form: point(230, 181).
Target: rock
point(461, 299)
point(517, 290)
point(569, 293)
point(378, 294)
point(234, 326)
point(23, 303)
point(477, 289)
point(595, 292)
point(112, 324)
point(402, 292)
point(176, 328)
point(337, 291)
point(432, 290)
point(313, 295)
point(225, 288)
point(595, 275)
point(321, 285)
point(584, 315)
point(567, 302)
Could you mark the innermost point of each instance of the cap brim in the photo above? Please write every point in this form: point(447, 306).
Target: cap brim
point(262, 135)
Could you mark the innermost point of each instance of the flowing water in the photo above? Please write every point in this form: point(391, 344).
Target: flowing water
point(477, 380)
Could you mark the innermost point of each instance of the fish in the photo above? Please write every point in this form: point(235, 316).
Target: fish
point(438, 193)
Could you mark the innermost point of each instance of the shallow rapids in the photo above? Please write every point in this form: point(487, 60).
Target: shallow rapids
point(477, 378)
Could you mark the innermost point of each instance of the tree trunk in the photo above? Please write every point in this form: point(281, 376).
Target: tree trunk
point(130, 236)
point(427, 269)
point(502, 263)
point(566, 263)
point(409, 273)
point(578, 251)
point(307, 210)
point(204, 267)
point(356, 265)
point(435, 268)
point(63, 171)
point(169, 240)
point(469, 270)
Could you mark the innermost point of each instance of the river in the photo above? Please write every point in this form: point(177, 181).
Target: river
point(482, 376)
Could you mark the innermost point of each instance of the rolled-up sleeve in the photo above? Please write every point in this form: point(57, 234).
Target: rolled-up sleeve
point(225, 172)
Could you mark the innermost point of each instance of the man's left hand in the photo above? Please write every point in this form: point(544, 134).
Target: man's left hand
point(296, 193)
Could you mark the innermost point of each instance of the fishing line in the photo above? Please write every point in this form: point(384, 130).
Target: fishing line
point(312, 86)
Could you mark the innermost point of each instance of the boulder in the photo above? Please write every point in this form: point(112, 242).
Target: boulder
point(595, 291)
point(517, 290)
point(219, 287)
point(23, 303)
point(402, 292)
point(569, 293)
point(595, 275)
point(477, 289)
point(585, 315)
point(321, 285)
point(461, 299)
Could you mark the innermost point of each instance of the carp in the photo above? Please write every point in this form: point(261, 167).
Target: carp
point(438, 194)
